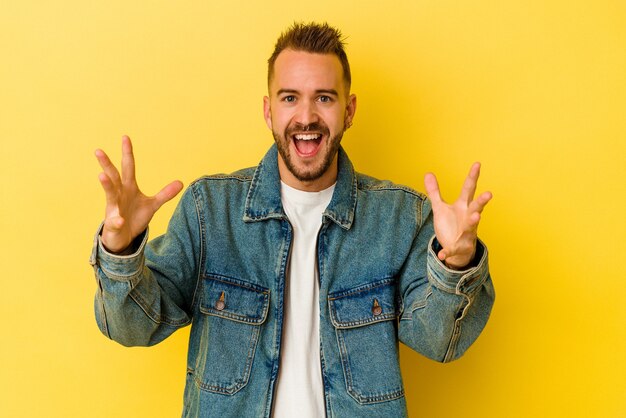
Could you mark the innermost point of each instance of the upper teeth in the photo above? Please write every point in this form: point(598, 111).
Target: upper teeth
point(307, 137)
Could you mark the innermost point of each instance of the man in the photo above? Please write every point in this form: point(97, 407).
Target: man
point(298, 276)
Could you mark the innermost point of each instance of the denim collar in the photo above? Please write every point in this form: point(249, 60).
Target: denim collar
point(263, 201)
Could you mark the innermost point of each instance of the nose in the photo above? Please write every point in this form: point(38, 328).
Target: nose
point(306, 113)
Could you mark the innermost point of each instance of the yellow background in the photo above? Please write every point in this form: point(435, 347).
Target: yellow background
point(533, 89)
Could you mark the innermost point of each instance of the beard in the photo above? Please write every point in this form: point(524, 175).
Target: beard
point(307, 174)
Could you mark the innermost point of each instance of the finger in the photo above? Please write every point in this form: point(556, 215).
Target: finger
point(469, 186)
point(481, 201)
point(167, 193)
point(128, 161)
point(108, 167)
point(109, 190)
point(432, 188)
point(473, 220)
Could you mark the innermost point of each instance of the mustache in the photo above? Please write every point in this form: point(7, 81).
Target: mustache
point(315, 127)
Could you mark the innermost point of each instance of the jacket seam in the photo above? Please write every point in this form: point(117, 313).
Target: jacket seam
point(421, 214)
point(150, 313)
point(236, 282)
point(456, 332)
point(380, 186)
point(124, 278)
point(103, 314)
point(420, 304)
point(201, 257)
point(240, 178)
point(359, 289)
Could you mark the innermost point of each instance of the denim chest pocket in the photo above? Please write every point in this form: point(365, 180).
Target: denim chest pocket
point(365, 321)
point(233, 311)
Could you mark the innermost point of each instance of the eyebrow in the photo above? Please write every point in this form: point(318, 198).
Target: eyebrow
point(331, 92)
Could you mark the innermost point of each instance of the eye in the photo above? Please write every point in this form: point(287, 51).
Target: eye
point(325, 99)
point(289, 99)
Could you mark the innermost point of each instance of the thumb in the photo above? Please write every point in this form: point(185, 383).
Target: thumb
point(432, 188)
point(167, 193)
point(442, 254)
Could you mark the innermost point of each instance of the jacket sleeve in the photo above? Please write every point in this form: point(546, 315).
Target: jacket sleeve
point(144, 297)
point(442, 310)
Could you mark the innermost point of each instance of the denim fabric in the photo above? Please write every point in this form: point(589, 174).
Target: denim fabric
point(221, 268)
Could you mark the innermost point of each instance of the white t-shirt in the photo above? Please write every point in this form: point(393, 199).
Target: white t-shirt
point(299, 388)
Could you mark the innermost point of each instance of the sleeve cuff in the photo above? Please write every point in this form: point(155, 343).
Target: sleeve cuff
point(119, 267)
point(455, 281)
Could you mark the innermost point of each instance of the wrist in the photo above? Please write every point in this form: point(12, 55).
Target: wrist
point(111, 248)
point(464, 263)
point(130, 250)
point(457, 262)
point(124, 249)
point(456, 267)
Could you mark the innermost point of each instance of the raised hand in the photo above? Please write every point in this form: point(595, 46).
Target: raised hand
point(128, 210)
point(456, 224)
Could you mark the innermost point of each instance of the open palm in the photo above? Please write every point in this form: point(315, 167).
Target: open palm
point(456, 224)
point(128, 211)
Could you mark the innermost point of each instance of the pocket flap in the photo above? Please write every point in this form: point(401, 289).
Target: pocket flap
point(235, 299)
point(370, 303)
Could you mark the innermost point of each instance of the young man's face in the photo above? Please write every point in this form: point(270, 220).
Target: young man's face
point(308, 110)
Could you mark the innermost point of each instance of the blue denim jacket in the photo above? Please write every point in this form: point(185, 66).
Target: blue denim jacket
point(221, 268)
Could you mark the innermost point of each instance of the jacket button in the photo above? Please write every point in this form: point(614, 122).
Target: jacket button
point(220, 304)
point(376, 309)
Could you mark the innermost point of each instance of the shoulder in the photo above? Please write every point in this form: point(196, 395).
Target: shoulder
point(369, 184)
point(391, 202)
point(233, 185)
point(240, 176)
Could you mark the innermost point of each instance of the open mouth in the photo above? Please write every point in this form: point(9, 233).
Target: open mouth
point(307, 144)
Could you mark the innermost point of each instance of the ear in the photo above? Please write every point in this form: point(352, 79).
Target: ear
point(267, 112)
point(350, 110)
